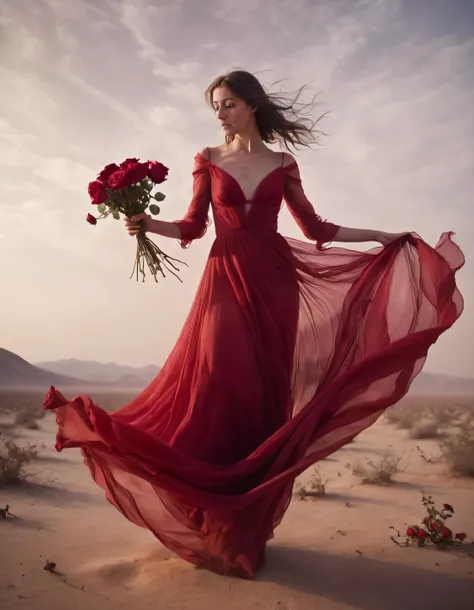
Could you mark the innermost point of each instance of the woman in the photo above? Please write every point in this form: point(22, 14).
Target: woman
point(288, 353)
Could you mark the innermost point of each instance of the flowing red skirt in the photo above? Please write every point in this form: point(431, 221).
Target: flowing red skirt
point(287, 354)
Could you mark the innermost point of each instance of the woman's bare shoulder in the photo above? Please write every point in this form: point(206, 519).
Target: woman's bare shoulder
point(204, 152)
point(288, 159)
point(211, 152)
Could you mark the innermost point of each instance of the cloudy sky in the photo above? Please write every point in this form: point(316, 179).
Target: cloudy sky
point(85, 82)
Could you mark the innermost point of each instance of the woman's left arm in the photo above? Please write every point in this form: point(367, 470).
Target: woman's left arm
point(312, 225)
point(346, 234)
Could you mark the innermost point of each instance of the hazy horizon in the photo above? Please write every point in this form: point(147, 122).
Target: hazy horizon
point(87, 83)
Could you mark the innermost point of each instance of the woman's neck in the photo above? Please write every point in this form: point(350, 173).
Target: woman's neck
point(248, 141)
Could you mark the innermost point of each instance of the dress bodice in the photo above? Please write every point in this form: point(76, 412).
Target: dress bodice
point(214, 186)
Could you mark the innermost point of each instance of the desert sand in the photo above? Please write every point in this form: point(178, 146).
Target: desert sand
point(331, 552)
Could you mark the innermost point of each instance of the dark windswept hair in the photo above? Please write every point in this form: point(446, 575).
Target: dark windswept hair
point(279, 118)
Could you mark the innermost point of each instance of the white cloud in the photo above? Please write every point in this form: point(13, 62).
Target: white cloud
point(144, 21)
point(14, 137)
point(24, 99)
point(66, 38)
point(165, 115)
point(64, 172)
point(68, 73)
point(242, 12)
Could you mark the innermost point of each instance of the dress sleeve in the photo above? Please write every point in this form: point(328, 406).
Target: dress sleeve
point(194, 224)
point(311, 224)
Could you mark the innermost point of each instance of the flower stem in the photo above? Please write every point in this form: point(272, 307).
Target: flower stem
point(156, 260)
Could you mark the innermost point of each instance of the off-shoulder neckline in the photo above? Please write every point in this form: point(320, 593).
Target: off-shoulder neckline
point(208, 161)
point(236, 182)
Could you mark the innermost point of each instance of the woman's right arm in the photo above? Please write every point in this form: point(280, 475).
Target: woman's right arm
point(147, 224)
point(194, 224)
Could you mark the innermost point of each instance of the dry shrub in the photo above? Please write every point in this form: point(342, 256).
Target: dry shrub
point(429, 459)
point(315, 487)
point(403, 416)
point(392, 414)
point(407, 420)
point(13, 461)
point(444, 410)
point(443, 416)
point(458, 451)
point(379, 471)
point(27, 419)
point(425, 431)
point(464, 418)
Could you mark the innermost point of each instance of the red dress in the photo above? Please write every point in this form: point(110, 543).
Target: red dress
point(287, 354)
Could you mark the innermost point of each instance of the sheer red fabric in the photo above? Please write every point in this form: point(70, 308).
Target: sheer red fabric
point(287, 354)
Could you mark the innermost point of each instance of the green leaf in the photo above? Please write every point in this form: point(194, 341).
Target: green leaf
point(116, 214)
point(159, 196)
point(101, 208)
point(154, 209)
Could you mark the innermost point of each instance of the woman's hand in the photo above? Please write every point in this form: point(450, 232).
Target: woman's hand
point(139, 222)
point(387, 238)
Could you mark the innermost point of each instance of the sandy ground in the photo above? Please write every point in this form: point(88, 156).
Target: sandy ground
point(330, 553)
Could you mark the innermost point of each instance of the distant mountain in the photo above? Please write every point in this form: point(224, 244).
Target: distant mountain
point(138, 377)
point(111, 373)
point(17, 372)
point(438, 383)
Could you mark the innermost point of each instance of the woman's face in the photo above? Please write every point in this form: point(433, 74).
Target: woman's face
point(233, 113)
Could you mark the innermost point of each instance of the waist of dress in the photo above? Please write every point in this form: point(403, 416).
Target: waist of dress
point(241, 224)
point(228, 231)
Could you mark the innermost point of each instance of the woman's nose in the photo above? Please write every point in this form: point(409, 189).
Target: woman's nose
point(221, 113)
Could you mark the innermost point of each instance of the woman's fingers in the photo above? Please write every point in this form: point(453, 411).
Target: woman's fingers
point(132, 225)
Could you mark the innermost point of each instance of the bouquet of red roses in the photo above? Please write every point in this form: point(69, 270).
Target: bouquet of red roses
point(127, 189)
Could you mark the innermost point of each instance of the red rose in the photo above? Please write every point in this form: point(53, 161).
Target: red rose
point(137, 172)
point(422, 534)
point(119, 179)
point(462, 536)
point(128, 162)
point(411, 532)
point(106, 172)
point(448, 507)
point(157, 172)
point(91, 219)
point(127, 176)
point(446, 533)
point(97, 192)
